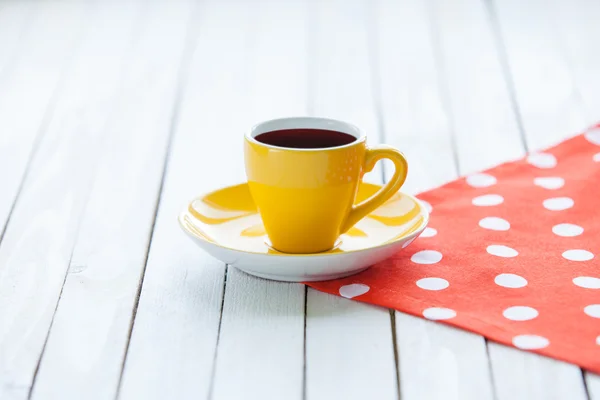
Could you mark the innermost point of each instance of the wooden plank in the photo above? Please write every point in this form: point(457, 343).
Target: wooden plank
point(592, 385)
point(349, 349)
point(85, 350)
point(484, 124)
point(550, 110)
point(261, 340)
point(417, 109)
point(548, 102)
point(252, 75)
point(340, 68)
point(414, 118)
point(452, 356)
point(529, 376)
point(37, 245)
point(31, 61)
point(15, 18)
point(577, 34)
point(339, 331)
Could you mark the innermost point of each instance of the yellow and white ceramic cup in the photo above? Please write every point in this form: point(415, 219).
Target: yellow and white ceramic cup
point(305, 197)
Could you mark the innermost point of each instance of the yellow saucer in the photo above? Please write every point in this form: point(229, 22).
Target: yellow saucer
point(227, 225)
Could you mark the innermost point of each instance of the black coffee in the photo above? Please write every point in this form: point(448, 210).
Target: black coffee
point(305, 138)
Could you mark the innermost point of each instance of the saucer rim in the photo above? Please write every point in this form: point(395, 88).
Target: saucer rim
point(414, 234)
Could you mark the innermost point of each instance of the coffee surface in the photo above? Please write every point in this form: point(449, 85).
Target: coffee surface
point(305, 138)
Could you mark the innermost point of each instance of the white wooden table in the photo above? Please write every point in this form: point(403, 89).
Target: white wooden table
point(114, 113)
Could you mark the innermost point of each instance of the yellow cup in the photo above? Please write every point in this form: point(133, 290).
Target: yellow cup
point(305, 197)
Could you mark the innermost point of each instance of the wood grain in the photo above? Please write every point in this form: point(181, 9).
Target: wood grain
point(15, 18)
point(36, 42)
point(477, 98)
point(548, 102)
point(37, 245)
point(412, 107)
point(519, 375)
point(85, 350)
point(577, 32)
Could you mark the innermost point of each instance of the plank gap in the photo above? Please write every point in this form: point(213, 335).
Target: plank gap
point(304, 349)
point(214, 364)
point(150, 237)
point(39, 362)
point(311, 79)
point(491, 375)
point(588, 396)
point(395, 347)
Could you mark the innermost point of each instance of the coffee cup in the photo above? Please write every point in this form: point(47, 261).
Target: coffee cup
point(303, 174)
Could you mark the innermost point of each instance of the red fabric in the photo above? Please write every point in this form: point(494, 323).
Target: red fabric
point(551, 302)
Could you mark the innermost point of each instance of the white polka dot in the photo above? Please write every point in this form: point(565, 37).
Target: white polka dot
point(542, 160)
point(598, 340)
point(427, 206)
point(408, 242)
point(593, 136)
point(432, 283)
point(520, 313)
point(426, 257)
point(558, 203)
point(530, 342)
point(494, 224)
point(481, 180)
point(587, 282)
point(596, 157)
point(511, 281)
point(353, 290)
point(429, 232)
point(488, 200)
point(502, 251)
point(567, 230)
point(437, 313)
point(577, 255)
point(593, 310)
point(550, 182)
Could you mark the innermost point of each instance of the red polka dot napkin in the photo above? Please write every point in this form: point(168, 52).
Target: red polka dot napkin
point(512, 254)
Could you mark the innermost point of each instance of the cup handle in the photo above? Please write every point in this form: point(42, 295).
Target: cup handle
point(373, 155)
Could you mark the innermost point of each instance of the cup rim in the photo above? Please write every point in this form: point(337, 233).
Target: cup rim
point(305, 122)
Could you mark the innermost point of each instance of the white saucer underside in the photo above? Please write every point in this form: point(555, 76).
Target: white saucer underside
point(290, 268)
point(236, 237)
